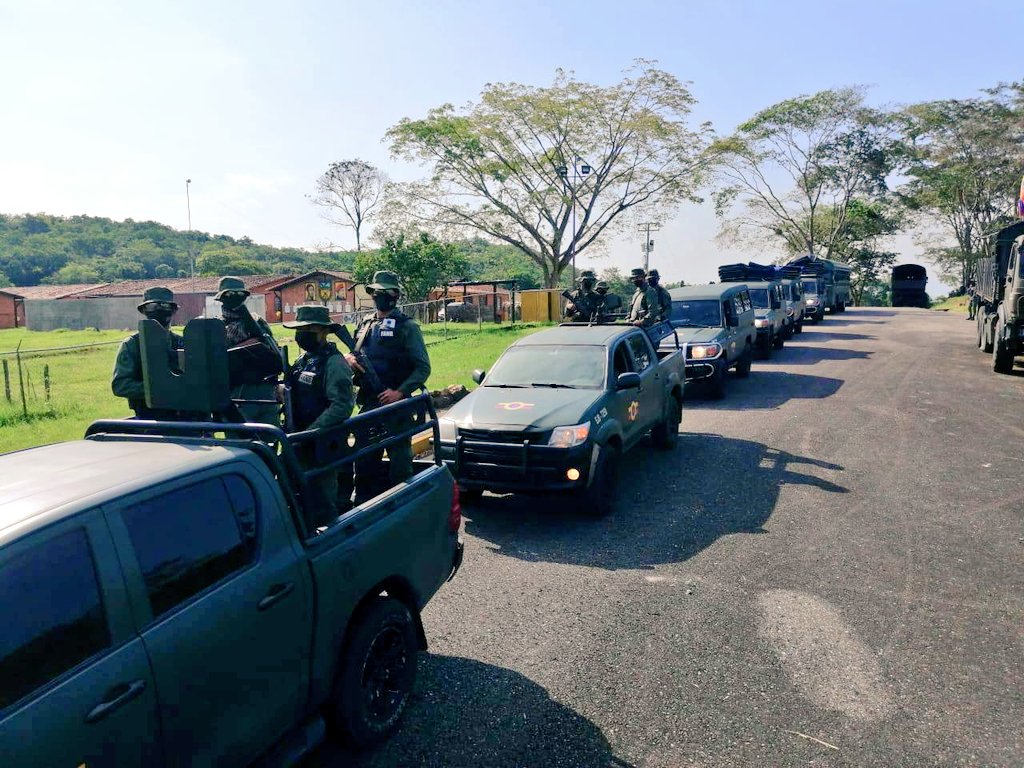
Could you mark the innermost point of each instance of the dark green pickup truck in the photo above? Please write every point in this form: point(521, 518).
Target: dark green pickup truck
point(559, 408)
point(167, 601)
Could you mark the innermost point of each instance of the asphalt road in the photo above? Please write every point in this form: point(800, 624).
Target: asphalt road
point(826, 571)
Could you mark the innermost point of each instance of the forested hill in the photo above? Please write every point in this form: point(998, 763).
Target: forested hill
point(39, 248)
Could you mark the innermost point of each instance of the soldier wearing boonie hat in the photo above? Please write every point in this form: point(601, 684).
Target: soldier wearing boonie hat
point(664, 299)
point(644, 303)
point(584, 302)
point(157, 304)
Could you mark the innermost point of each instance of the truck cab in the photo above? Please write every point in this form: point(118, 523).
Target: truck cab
point(1001, 292)
point(769, 315)
point(793, 296)
point(715, 326)
point(815, 297)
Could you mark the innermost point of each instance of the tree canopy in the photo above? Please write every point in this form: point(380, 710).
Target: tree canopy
point(420, 261)
point(350, 192)
point(550, 170)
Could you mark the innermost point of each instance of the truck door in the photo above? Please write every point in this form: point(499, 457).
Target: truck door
point(651, 395)
point(627, 401)
point(223, 612)
point(75, 684)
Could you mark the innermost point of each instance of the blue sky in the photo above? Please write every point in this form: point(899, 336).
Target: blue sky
point(108, 107)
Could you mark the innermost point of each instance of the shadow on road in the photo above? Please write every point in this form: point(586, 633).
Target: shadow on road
point(813, 334)
point(466, 713)
point(800, 354)
point(767, 389)
point(873, 312)
point(670, 507)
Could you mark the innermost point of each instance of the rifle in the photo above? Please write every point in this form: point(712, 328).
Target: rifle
point(595, 315)
point(368, 379)
point(286, 399)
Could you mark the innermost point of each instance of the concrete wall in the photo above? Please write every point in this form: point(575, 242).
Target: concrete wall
point(256, 303)
point(76, 314)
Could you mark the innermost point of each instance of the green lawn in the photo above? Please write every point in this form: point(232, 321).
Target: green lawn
point(954, 304)
point(80, 380)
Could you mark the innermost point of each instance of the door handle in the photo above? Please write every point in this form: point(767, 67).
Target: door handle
point(277, 593)
point(121, 694)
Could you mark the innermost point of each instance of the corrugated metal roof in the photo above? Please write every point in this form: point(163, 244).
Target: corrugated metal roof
point(49, 291)
point(207, 285)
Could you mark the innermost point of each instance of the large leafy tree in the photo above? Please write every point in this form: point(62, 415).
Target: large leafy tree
point(549, 170)
point(792, 173)
point(420, 261)
point(350, 192)
point(965, 163)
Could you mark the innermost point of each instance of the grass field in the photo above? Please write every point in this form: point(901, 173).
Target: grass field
point(954, 304)
point(80, 380)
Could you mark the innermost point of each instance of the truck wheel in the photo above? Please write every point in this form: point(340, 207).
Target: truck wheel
point(745, 361)
point(986, 337)
point(598, 499)
point(981, 332)
point(716, 384)
point(799, 327)
point(840, 306)
point(765, 349)
point(378, 670)
point(1002, 358)
point(665, 433)
point(779, 341)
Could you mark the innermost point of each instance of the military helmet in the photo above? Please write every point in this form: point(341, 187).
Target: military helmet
point(588, 273)
point(158, 294)
point(383, 280)
point(309, 315)
point(230, 285)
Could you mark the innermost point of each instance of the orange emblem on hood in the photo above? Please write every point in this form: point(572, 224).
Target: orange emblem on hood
point(514, 406)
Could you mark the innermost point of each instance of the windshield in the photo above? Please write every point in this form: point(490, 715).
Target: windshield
point(759, 297)
point(544, 366)
point(810, 286)
point(701, 313)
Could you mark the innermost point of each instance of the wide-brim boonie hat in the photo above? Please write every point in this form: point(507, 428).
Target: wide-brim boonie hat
point(158, 294)
point(383, 281)
point(230, 285)
point(309, 315)
point(637, 272)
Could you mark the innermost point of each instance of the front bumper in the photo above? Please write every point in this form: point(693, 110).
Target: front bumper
point(515, 467)
point(704, 369)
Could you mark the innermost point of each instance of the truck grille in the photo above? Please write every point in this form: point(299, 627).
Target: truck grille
point(510, 438)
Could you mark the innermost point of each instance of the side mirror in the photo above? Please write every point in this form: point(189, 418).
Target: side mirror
point(478, 376)
point(732, 321)
point(629, 380)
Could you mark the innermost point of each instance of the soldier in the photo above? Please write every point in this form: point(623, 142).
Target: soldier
point(664, 300)
point(611, 303)
point(257, 378)
point(321, 394)
point(644, 304)
point(157, 304)
point(973, 301)
point(393, 345)
point(583, 301)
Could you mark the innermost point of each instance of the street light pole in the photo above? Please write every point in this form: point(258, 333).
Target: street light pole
point(191, 259)
point(580, 170)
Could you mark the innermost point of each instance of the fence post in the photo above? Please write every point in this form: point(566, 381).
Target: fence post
point(21, 382)
point(7, 381)
point(46, 381)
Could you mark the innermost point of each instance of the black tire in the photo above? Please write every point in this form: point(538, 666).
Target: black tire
point(799, 327)
point(981, 333)
point(665, 433)
point(470, 495)
point(745, 361)
point(779, 342)
point(1002, 358)
point(986, 338)
point(598, 499)
point(377, 674)
point(764, 350)
point(787, 332)
point(840, 306)
point(716, 383)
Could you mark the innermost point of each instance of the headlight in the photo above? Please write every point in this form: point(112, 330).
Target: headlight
point(702, 351)
point(761, 322)
point(446, 427)
point(569, 437)
point(812, 301)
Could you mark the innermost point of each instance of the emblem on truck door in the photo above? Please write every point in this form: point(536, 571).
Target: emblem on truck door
point(514, 406)
point(634, 410)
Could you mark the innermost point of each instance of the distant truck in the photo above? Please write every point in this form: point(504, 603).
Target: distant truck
point(560, 407)
point(907, 286)
point(175, 599)
point(826, 285)
point(1000, 290)
point(793, 296)
point(715, 325)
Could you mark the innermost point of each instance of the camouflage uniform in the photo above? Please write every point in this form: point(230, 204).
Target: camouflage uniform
point(644, 305)
point(664, 310)
point(584, 302)
point(394, 347)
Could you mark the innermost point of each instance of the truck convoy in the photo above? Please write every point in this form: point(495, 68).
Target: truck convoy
point(560, 407)
point(1000, 291)
point(173, 598)
point(907, 286)
point(826, 285)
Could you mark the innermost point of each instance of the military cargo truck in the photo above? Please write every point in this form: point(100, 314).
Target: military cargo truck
point(830, 281)
point(1000, 278)
point(907, 286)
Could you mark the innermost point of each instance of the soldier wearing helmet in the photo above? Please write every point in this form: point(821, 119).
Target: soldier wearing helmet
point(583, 302)
point(612, 302)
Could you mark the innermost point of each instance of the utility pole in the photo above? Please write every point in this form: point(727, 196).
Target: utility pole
point(647, 227)
point(191, 258)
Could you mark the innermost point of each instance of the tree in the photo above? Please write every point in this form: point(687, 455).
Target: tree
point(5, 281)
point(420, 261)
point(799, 158)
point(966, 157)
point(350, 192)
point(518, 163)
point(75, 272)
point(494, 261)
point(618, 283)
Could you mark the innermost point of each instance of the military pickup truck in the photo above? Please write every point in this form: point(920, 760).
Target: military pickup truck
point(560, 407)
point(715, 326)
point(168, 600)
point(793, 296)
point(769, 315)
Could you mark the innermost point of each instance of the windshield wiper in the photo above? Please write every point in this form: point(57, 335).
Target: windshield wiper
point(506, 386)
point(552, 385)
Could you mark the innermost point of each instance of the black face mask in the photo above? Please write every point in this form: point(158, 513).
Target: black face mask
point(233, 302)
point(384, 301)
point(653, 281)
point(588, 285)
point(308, 340)
point(162, 316)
